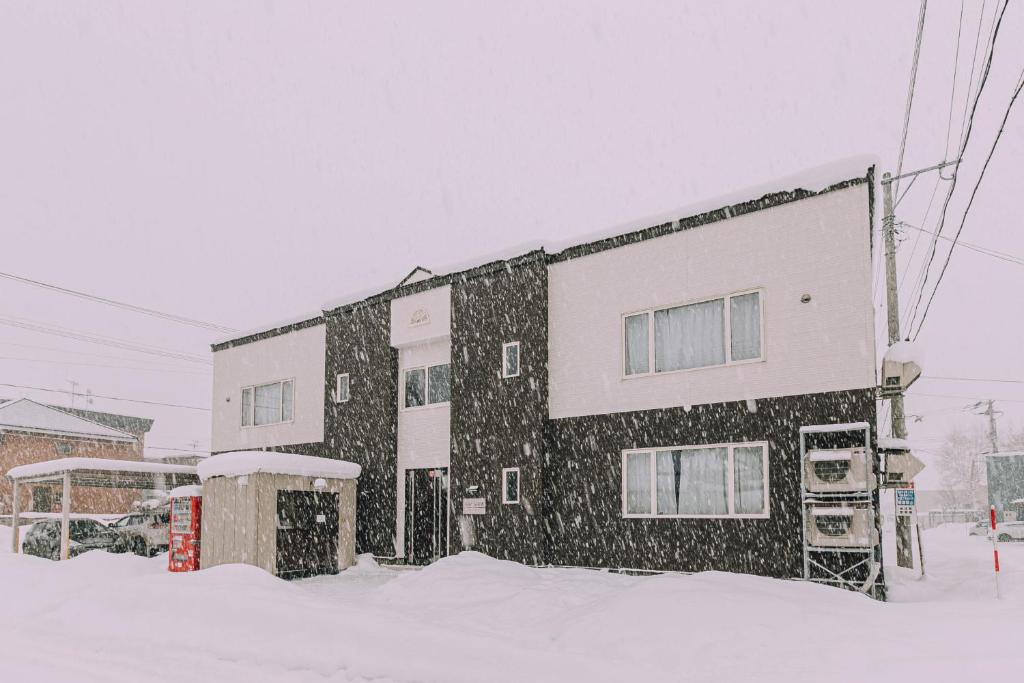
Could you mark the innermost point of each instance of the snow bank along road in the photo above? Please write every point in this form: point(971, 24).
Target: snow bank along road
point(116, 618)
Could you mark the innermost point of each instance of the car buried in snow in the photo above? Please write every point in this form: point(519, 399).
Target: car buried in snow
point(145, 533)
point(43, 538)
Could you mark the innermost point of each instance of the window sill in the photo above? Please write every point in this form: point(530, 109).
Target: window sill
point(429, 406)
point(730, 364)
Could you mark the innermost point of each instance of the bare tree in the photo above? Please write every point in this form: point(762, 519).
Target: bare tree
point(961, 463)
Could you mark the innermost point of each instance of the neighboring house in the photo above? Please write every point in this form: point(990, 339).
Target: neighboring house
point(633, 401)
point(1004, 473)
point(33, 432)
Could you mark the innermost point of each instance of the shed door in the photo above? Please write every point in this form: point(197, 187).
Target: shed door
point(307, 533)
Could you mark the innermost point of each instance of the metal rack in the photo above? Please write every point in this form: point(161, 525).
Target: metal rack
point(838, 566)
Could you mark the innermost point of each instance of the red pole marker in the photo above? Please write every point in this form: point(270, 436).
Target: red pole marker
point(995, 544)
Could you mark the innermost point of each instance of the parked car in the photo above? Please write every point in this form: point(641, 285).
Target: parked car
point(43, 538)
point(979, 529)
point(144, 533)
point(1005, 531)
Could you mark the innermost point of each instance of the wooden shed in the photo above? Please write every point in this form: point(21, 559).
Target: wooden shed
point(292, 515)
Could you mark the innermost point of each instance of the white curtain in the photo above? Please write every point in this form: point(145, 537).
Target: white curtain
point(268, 404)
point(287, 404)
point(745, 324)
point(638, 483)
point(689, 336)
point(636, 344)
point(247, 407)
point(748, 480)
point(668, 482)
point(703, 485)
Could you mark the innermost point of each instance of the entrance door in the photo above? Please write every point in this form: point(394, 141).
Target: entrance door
point(426, 515)
point(307, 533)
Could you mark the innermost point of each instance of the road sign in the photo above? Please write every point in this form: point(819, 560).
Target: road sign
point(901, 468)
point(906, 500)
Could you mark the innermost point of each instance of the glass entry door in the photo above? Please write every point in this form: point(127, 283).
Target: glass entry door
point(426, 515)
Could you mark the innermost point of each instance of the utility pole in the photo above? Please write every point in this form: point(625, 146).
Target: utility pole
point(904, 543)
point(990, 410)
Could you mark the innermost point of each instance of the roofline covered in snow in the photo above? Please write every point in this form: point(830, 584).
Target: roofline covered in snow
point(653, 228)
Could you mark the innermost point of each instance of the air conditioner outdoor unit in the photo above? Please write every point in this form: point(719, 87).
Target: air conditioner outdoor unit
point(841, 527)
point(838, 470)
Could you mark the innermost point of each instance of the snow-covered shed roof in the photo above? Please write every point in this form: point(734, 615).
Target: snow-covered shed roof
point(107, 472)
point(26, 415)
point(188, 491)
point(241, 463)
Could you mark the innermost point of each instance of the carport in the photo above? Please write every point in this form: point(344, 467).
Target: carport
point(93, 473)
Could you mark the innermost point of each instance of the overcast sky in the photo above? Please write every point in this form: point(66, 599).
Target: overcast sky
point(242, 162)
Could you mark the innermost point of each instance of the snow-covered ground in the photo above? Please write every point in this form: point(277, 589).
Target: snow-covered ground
point(119, 618)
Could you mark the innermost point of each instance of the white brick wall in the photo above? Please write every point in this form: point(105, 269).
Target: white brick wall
point(818, 246)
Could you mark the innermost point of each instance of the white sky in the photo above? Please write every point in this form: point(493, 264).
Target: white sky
point(243, 162)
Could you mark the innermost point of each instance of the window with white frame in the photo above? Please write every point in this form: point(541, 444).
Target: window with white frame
point(701, 334)
point(723, 480)
point(427, 385)
point(510, 486)
point(341, 392)
point(510, 359)
point(265, 404)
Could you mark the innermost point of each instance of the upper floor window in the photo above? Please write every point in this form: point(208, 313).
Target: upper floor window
point(265, 404)
point(427, 385)
point(727, 480)
point(510, 359)
point(696, 335)
point(341, 392)
point(510, 486)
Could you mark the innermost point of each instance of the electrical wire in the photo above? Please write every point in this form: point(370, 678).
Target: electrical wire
point(35, 326)
point(910, 92)
point(51, 361)
point(109, 398)
point(973, 379)
point(963, 146)
point(952, 91)
point(1003, 256)
point(119, 304)
point(970, 202)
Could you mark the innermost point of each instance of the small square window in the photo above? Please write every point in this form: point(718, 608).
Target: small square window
point(341, 394)
point(510, 360)
point(63, 448)
point(510, 486)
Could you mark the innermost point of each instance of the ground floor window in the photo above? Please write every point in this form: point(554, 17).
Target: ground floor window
point(510, 485)
point(722, 480)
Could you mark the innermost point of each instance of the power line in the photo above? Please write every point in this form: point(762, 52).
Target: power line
point(35, 347)
point(973, 379)
point(910, 92)
point(956, 70)
point(1001, 255)
point(101, 340)
point(970, 202)
point(51, 361)
point(956, 170)
point(119, 304)
point(109, 398)
point(969, 398)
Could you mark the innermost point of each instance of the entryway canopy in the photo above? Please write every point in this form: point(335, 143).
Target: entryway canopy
point(93, 473)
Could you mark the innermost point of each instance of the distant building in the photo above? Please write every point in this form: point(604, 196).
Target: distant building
point(33, 432)
point(1005, 475)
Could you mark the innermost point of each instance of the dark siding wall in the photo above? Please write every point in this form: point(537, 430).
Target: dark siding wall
point(364, 429)
point(585, 472)
point(497, 422)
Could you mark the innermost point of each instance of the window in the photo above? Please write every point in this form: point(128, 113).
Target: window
point(266, 404)
point(62, 448)
point(723, 480)
point(427, 385)
point(510, 359)
point(697, 335)
point(341, 394)
point(510, 486)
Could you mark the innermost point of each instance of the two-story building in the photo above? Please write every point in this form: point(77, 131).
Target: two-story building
point(633, 401)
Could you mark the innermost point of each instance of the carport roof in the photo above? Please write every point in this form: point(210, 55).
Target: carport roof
point(106, 473)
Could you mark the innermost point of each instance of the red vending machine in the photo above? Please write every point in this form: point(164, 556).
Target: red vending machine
point(186, 527)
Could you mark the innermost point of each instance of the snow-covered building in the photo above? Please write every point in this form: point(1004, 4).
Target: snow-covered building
point(630, 401)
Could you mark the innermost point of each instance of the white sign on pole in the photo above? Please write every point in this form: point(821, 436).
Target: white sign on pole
point(906, 500)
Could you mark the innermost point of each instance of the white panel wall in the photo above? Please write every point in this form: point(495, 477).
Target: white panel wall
point(421, 317)
point(299, 355)
point(818, 246)
point(424, 433)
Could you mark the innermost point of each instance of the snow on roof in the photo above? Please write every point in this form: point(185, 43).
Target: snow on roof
point(240, 463)
point(832, 512)
point(841, 427)
point(26, 414)
point(190, 491)
point(62, 465)
point(891, 443)
point(1004, 454)
point(826, 455)
point(906, 352)
point(269, 327)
